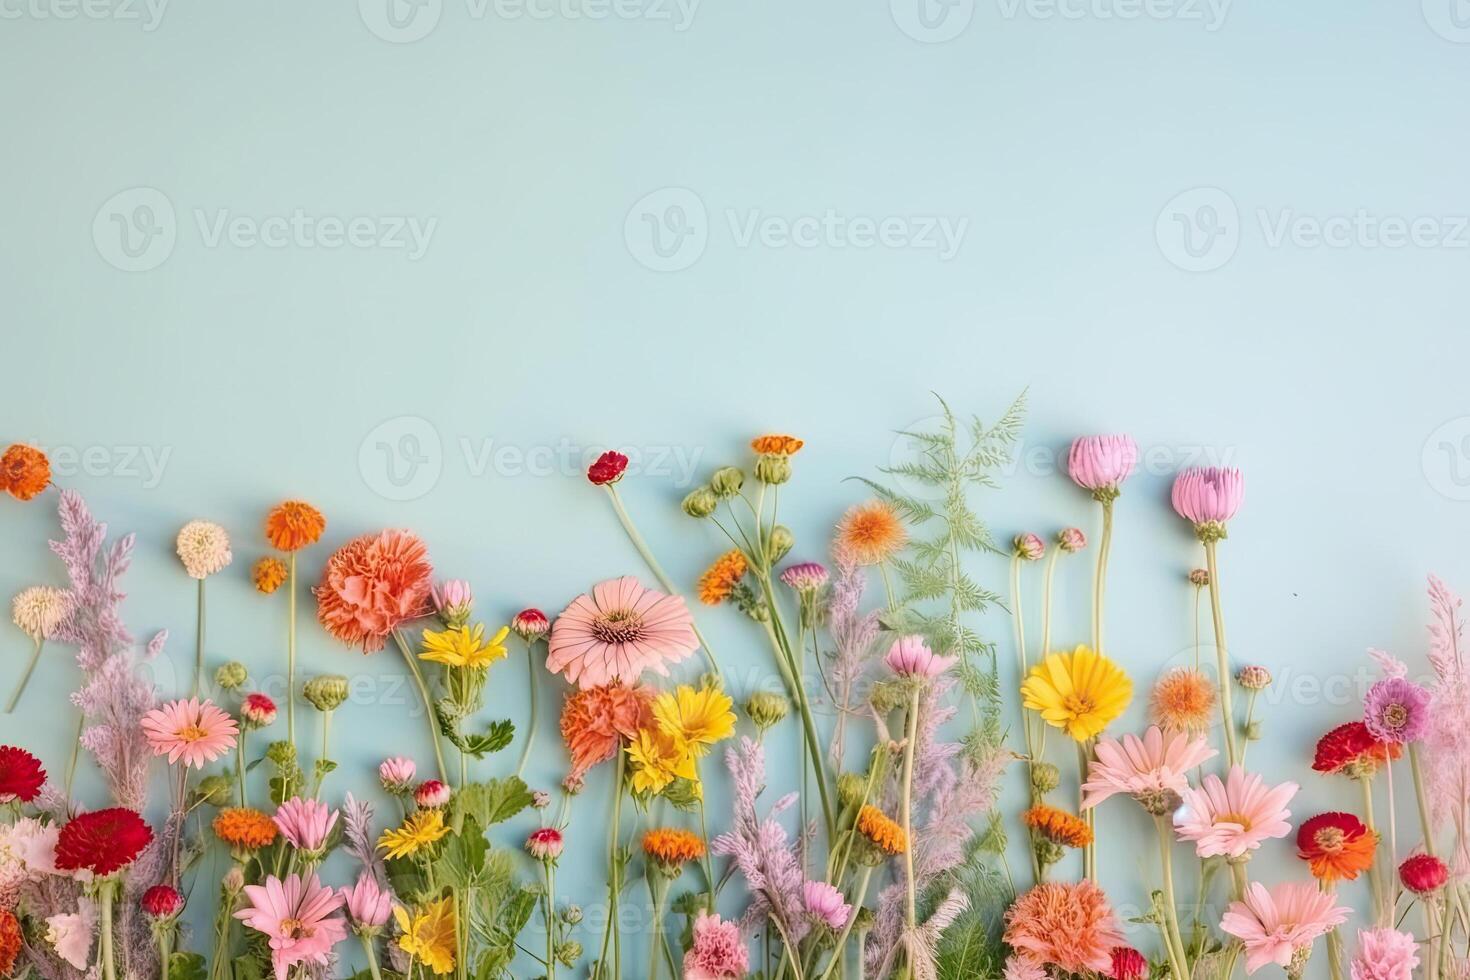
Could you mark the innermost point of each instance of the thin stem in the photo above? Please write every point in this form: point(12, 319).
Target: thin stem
point(531, 724)
point(1250, 710)
point(291, 650)
point(657, 888)
point(199, 642)
point(240, 768)
point(165, 949)
point(372, 957)
point(776, 633)
point(76, 747)
point(1375, 878)
point(1100, 573)
point(841, 947)
point(1089, 856)
point(911, 737)
point(109, 969)
point(1422, 799)
point(1046, 590)
point(1178, 960)
point(25, 678)
point(615, 869)
point(418, 679)
point(550, 919)
point(1222, 657)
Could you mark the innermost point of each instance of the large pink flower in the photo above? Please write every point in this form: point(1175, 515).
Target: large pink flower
point(1102, 463)
point(1208, 494)
point(617, 631)
point(1273, 925)
point(372, 585)
point(1235, 816)
point(297, 916)
point(718, 952)
point(193, 730)
point(305, 823)
point(1385, 954)
point(1153, 769)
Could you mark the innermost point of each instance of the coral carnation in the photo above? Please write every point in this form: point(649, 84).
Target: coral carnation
point(1183, 699)
point(268, 574)
point(717, 952)
point(102, 841)
point(1337, 846)
point(294, 525)
point(1070, 926)
point(21, 775)
point(373, 585)
point(596, 721)
point(10, 941)
point(617, 631)
point(869, 534)
point(720, 579)
point(24, 472)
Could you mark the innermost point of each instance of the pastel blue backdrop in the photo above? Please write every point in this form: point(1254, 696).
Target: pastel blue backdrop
point(412, 263)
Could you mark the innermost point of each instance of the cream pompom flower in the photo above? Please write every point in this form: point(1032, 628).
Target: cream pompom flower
point(40, 610)
point(204, 548)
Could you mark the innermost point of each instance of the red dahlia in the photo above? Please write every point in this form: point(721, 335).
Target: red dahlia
point(608, 468)
point(1423, 874)
point(1128, 964)
point(1351, 750)
point(102, 841)
point(10, 941)
point(21, 775)
point(162, 902)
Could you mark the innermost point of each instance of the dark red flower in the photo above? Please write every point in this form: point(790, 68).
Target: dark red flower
point(608, 468)
point(1352, 750)
point(102, 841)
point(162, 902)
point(1423, 874)
point(530, 624)
point(1128, 964)
point(21, 775)
point(10, 941)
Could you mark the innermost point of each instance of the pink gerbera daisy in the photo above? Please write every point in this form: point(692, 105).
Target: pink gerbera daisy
point(305, 823)
point(617, 631)
point(193, 730)
point(1235, 816)
point(297, 916)
point(1277, 925)
point(1153, 769)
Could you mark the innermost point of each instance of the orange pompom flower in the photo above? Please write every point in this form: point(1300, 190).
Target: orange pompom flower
point(870, 534)
point(294, 525)
point(24, 471)
point(10, 941)
point(1070, 926)
point(597, 721)
point(268, 574)
point(672, 847)
point(1336, 846)
point(1058, 826)
point(776, 445)
point(882, 830)
point(244, 828)
point(1183, 700)
point(720, 579)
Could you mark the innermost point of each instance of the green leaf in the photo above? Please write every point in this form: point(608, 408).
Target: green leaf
point(496, 737)
point(683, 794)
point(186, 966)
point(462, 862)
point(490, 802)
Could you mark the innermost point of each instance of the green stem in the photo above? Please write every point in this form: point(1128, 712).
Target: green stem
point(531, 724)
point(1177, 957)
point(199, 643)
point(104, 897)
point(25, 678)
point(76, 747)
point(1250, 711)
point(911, 736)
point(1375, 879)
point(657, 888)
point(550, 919)
point(165, 948)
point(240, 768)
point(1100, 573)
point(291, 650)
point(372, 957)
point(615, 869)
point(1089, 855)
point(1222, 657)
point(841, 947)
point(1423, 800)
point(418, 679)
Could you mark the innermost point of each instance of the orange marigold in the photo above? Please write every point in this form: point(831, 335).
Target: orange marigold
point(1058, 826)
point(244, 827)
point(879, 828)
point(595, 721)
point(870, 533)
point(1183, 699)
point(293, 525)
point(719, 580)
point(777, 445)
point(24, 471)
point(10, 941)
point(673, 846)
point(268, 574)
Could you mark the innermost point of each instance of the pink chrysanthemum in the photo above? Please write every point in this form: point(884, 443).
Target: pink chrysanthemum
point(1023, 968)
point(718, 952)
point(1385, 954)
point(372, 585)
point(1208, 494)
point(1102, 463)
point(804, 577)
point(297, 916)
point(1396, 711)
point(196, 731)
point(305, 823)
point(1068, 925)
point(1153, 769)
point(825, 904)
point(617, 631)
point(1235, 816)
point(910, 656)
point(1274, 925)
point(396, 774)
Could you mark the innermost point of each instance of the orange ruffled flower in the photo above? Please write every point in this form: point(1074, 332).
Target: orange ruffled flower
point(293, 525)
point(24, 471)
point(777, 445)
point(1336, 846)
point(10, 941)
point(673, 846)
point(870, 533)
point(268, 574)
point(719, 580)
point(372, 585)
point(885, 834)
point(1183, 700)
point(1058, 826)
point(596, 721)
point(1070, 926)
point(244, 828)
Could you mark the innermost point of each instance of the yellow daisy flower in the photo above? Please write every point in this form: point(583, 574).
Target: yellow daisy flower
point(1079, 692)
point(698, 718)
point(417, 833)
point(658, 760)
point(464, 647)
point(429, 936)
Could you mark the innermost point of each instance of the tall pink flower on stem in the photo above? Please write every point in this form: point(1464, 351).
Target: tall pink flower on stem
point(1235, 816)
point(305, 823)
point(195, 731)
point(910, 656)
point(617, 631)
point(825, 904)
point(297, 916)
point(1279, 925)
point(368, 905)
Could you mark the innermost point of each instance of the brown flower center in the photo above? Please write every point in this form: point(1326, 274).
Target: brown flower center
point(295, 929)
point(1395, 716)
point(619, 626)
point(1330, 839)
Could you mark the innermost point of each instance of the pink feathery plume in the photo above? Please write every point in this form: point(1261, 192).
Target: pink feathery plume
point(853, 635)
point(1445, 631)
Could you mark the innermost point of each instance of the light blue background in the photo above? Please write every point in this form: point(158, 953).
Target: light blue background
point(1334, 376)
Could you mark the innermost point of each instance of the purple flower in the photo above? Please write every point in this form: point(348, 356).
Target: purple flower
point(825, 904)
point(910, 656)
point(1396, 710)
point(1102, 463)
point(1208, 494)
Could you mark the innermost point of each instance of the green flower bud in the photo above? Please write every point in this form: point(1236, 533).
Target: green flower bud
point(231, 675)
point(215, 790)
point(327, 692)
point(850, 788)
point(282, 753)
point(774, 470)
point(1253, 731)
point(889, 695)
point(727, 481)
point(780, 543)
point(234, 880)
point(1045, 777)
point(767, 708)
point(1049, 852)
point(701, 502)
point(568, 953)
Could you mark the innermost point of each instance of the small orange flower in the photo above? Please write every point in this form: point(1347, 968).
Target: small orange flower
point(777, 445)
point(879, 828)
point(244, 828)
point(1336, 846)
point(24, 471)
point(1183, 699)
point(870, 533)
point(719, 580)
point(673, 846)
point(10, 941)
point(293, 525)
point(1058, 826)
point(268, 574)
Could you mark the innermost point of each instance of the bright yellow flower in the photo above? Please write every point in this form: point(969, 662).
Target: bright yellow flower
point(464, 647)
point(658, 760)
point(430, 935)
point(1079, 692)
point(417, 833)
point(699, 718)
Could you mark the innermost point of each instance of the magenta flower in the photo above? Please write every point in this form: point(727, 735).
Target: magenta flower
point(1275, 925)
point(453, 600)
point(805, 577)
point(1208, 496)
point(431, 794)
point(617, 631)
point(1028, 547)
point(297, 916)
point(1235, 816)
point(1385, 954)
point(305, 823)
point(910, 656)
point(396, 774)
point(368, 905)
point(1102, 463)
point(545, 844)
point(195, 731)
point(718, 952)
point(1396, 711)
point(825, 904)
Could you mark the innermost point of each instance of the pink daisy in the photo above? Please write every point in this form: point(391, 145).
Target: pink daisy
point(825, 904)
point(297, 916)
point(1233, 817)
point(617, 631)
point(368, 904)
point(910, 656)
point(1275, 925)
point(193, 730)
point(1152, 769)
point(305, 823)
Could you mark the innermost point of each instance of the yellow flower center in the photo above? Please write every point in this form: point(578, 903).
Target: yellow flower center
point(1239, 818)
point(1079, 704)
point(294, 929)
point(191, 733)
point(1330, 839)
